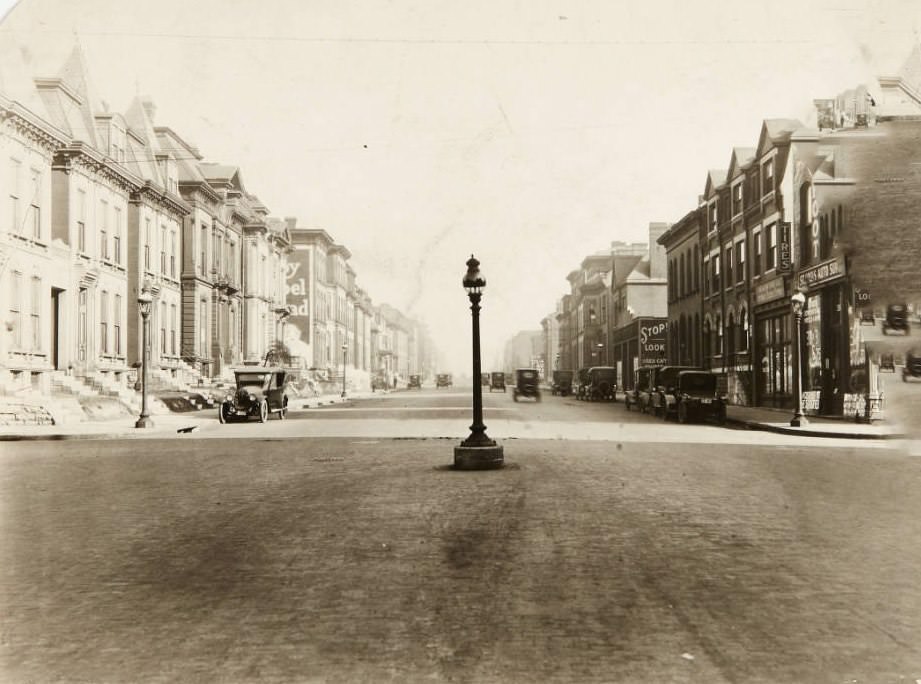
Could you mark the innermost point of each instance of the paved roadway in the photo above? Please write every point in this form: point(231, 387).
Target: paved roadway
point(681, 554)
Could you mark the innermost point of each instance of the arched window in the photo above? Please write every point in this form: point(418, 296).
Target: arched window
point(682, 339)
point(743, 330)
point(707, 343)
point(696, 268)
point(730, 335)
point(718, 335)
point(695, 340)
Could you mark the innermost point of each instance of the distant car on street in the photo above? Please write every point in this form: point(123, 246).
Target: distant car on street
point(912, 367)
point(602, 383)
point(561, 383)
point(496, 381)
point(896, 319)
point(415, 382)
point(527, 384)
point(663, 383)
point(443, 380)
point(696, 396)
point(641, 394)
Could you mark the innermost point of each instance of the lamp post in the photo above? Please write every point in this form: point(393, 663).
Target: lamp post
point(798, 302)
point(478, 451)
point(345, 350)
point(145, 301)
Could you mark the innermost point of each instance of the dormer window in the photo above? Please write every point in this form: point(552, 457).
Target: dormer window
point(767, 176)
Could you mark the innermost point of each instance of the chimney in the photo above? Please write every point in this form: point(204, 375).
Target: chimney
point(657, 263)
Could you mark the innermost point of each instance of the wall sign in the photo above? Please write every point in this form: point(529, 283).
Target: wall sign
point(784, 250)
point(653, 334)
point(821, 273)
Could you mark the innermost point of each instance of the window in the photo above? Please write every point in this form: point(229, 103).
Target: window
point(715, 273)
point(104, 322)
point(756, 255)
point(81, 221)
point(218, 248)
point(737, 198)
point(35, 207)
point(203, 260)
point(117, 327)
point(15, 307)
point(767, 176)
point(15, 167)
point(232, 265)
point(163, 250)
point(117, 236)
point(770, 247)
point(728, 252)
point(172, 329)
point(103, 229)
point(147, 237)
point(718, 329)
point(696, 268)
point(172, 255)
point(713, 216)
point(35, 313)
point(743, 331)
point(162, 328)
point(740, 261)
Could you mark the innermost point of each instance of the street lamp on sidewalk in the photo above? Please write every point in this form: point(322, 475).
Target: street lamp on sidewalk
point(478, 451)
point(145, 301)
point(345, 350)
point(798, 302)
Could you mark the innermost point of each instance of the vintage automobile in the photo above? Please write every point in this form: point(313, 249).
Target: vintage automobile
point(379, 382)
point(641, 394)
point(867, 317)
point(582, 383)
point(602, 383)
point(896, 319)
point(484, 379)
point(415, 382)
point(527, 384)
point(259, 392)
point(887, 363)
point(663, 382)
point(562, 383)
point(695, 396)
point(443, 380)
point(912, 367)
point(496, 381)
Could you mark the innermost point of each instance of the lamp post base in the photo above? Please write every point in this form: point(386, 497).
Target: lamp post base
point(144, 422)
point(798, 421)
point(478, 457)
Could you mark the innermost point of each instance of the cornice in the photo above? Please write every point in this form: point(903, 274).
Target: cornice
point(79, 154)
point(151, 194)
point(31, 127)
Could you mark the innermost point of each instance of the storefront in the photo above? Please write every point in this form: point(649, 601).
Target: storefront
point(827, 344)
point(773, 340)
point(639, 343)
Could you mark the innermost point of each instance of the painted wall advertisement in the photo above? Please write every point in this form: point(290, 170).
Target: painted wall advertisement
point(653, 333)
point(297, 326)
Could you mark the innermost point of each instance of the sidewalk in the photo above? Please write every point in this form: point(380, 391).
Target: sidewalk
point(778, 420)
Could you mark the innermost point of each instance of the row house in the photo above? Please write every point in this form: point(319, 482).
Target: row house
point(682, 245)
point(266, 244)
point(637, 326)
point(36, 294)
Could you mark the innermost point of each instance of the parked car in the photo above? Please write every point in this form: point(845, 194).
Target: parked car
point(379, 382)
point(415, 382)
point(887, 363)
point(561, 383)
point(912, 367)
point(496, 381)
point(443, 380)
point(696, 396)
point(641, 394)
point(582, 383)
point(663, 383)
point(527, 384)
point(867, 317)
point(602, 383)
point(896, 319)
point(259, 392)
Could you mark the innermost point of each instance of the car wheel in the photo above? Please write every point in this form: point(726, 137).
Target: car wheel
point(682, 413)
point(283, 413)
point(626, 403)
point(721, 415)
point(263, 411)
point(223, 414)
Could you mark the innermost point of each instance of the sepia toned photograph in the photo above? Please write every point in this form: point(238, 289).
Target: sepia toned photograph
point(566, 341)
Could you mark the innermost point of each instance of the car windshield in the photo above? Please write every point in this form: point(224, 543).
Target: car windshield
point(251, 379)
point(698, 382)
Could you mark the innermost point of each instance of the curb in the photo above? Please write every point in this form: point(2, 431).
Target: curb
point(753, 425)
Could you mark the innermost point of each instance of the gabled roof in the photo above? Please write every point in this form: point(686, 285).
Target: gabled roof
point(622, 267)
point(144, 160)
point(740, 157)
point(222, 174)
point(715, 178)
point(776, 132)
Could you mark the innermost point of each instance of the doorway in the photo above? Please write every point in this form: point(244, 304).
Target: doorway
point(56, 362)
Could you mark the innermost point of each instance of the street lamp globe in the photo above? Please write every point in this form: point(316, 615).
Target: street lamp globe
point(145, 301)
point(474, 282)
point(798, 301)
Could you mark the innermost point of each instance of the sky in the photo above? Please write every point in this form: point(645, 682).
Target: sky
point(531, 133)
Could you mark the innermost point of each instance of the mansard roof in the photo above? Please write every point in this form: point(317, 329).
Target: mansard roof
point(222, 174)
